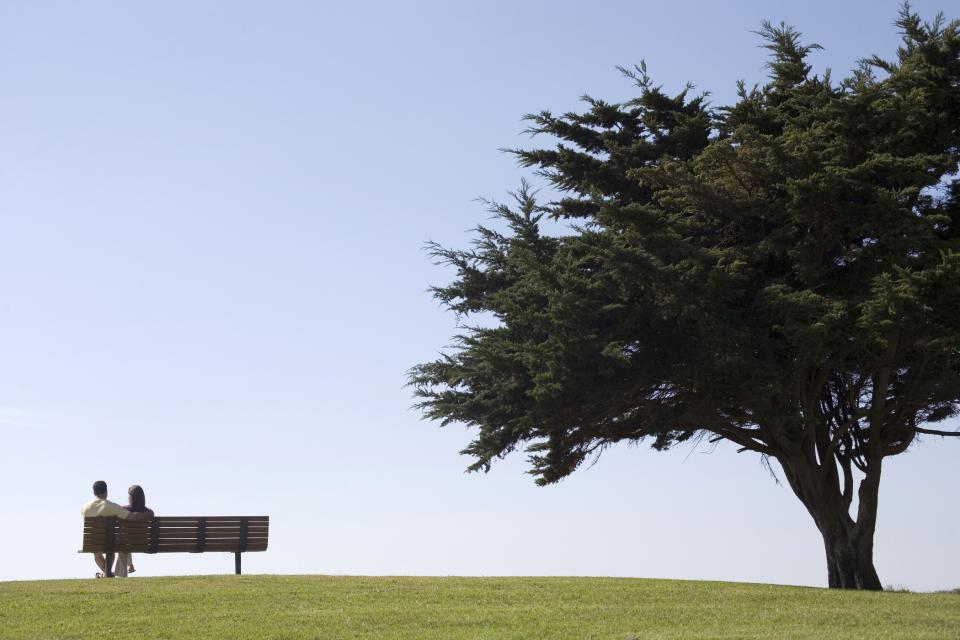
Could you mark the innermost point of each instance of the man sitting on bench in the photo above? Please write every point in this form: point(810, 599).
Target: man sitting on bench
point(103, 508)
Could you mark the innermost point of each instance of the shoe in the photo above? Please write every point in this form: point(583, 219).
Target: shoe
point(131, 570)
point(98, 574)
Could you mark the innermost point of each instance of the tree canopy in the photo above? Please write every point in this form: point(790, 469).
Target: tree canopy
point(782, 273)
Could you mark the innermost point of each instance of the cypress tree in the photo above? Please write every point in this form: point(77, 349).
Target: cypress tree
point(782, 273)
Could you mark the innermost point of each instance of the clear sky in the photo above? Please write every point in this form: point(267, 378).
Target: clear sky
point(212, 283)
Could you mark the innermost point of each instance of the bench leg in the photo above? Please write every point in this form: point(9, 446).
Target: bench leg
point(108, 565)
point(236, 562)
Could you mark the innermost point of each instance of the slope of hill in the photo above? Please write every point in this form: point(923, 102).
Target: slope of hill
point(254, 606)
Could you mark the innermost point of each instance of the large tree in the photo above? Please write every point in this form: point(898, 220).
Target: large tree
point(782, 273)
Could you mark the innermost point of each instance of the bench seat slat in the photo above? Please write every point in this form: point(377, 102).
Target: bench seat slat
point(143, 527)
point(123, 540)
point(161, 535)
point(165, 527)
point(144, 542)
point(161, 527)
point(213, 519)
point(165, 533)
point(181, 547)
point(178, 521)
point(177, 524)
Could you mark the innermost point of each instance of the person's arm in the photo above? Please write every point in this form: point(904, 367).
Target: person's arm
point(137, 516)
point(113, 510)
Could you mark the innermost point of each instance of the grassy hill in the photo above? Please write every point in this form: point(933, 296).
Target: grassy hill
point(450, 608)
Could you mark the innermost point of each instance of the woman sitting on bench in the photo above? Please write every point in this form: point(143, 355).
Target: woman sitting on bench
point(136, 503)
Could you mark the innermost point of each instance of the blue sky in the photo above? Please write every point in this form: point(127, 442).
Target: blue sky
point(211, 227)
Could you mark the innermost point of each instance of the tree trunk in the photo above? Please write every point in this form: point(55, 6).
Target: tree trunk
point(848, 543)
point(850, 560)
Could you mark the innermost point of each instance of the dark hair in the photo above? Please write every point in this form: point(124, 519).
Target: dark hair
point(99, 488)
point(138, 502)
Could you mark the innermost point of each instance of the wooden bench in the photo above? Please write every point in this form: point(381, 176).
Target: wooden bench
point(173, 534)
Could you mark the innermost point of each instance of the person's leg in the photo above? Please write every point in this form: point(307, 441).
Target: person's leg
point(98, 558)
point(130, 567)
point(120, 568)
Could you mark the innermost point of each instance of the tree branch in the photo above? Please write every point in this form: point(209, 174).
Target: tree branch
point(745, 438)
point(845, 464)
point(898, 446)
point(934, 432)
point(839, 434)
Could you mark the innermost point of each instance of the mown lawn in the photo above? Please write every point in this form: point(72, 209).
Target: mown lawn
point(449, 608)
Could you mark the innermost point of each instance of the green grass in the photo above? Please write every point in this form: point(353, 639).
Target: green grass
point(450, 608)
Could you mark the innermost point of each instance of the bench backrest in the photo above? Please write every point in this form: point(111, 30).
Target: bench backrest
point(175, 533)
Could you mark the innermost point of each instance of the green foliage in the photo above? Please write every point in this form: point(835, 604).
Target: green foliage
point(333, 608)
point(781, 271)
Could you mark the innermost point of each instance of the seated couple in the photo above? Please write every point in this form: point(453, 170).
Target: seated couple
point(136, 509)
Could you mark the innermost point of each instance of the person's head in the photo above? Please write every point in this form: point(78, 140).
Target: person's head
point(138, 502)
point(100, 489)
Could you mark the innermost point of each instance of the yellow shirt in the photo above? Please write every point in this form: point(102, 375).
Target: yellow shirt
point(98, 507)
